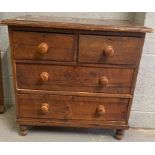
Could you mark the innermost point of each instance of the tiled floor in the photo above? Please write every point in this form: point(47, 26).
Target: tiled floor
point(9, 132)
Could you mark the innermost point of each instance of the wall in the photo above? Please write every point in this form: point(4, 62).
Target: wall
point(143, 109)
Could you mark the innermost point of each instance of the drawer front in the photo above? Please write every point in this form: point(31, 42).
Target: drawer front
point(71, 107)
point(44, 46)
point(69, 78)
point(109, 49)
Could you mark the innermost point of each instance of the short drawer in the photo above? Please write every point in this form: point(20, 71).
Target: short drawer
point(69, 78)
point(44, 46)
point(109, 49)
point(72, 107)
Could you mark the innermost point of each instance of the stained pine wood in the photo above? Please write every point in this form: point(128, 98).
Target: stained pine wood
point(73, 123)
point(119, 134)
point(89, 94)
point(72, 107)
point(76, 23)
point(126, 50)
point(61, 47)
point(74, 72)
point(77, 79)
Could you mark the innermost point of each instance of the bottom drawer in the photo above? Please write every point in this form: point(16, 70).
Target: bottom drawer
point(72, 107)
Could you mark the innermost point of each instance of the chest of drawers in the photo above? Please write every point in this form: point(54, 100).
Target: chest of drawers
point(74, 72)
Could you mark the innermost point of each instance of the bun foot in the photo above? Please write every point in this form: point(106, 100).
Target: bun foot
point(23, 130)
point(2, 108)
point(119, 134)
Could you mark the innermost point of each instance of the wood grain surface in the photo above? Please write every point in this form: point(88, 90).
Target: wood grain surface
point(126, 49)
point(68, 78)
point(76, 23)
point(61, 47)
point(72, 107)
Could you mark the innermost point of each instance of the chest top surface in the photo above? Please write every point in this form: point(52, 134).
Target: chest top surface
point(76, 24)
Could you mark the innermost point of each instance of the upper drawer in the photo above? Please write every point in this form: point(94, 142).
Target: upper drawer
point(109, 49)
point(44, 46)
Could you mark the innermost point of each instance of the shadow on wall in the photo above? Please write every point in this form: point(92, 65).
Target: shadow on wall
point(7, 77)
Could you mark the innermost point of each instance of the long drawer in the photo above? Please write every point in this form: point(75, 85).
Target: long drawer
point(72, 107)
point(44, 46)
point(69, 78)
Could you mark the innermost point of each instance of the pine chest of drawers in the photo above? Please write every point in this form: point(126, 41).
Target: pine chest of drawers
point(74, 72)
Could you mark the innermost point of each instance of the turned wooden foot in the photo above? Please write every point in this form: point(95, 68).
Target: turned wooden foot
point(23, 130)
point(2, 108)
point(119, 134)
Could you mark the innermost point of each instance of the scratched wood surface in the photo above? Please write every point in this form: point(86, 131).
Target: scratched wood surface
point(75, 79)
point(72, 107)
point(76, 23)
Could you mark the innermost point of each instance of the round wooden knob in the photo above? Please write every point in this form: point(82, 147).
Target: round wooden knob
point(101, 110)
point(42, 48)
point(44, 108)
point(44, 76)
point(108, 51)
point(103, 81)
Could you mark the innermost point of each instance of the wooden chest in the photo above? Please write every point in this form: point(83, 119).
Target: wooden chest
point(74, 72)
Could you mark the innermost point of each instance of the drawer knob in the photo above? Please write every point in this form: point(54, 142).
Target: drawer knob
point(44, 108)
point(101, 110)
point(42, 48)
point(108, 51)
point(103, 81)
point(44, 76)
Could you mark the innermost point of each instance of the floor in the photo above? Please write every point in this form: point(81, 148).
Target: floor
point(9, 132)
